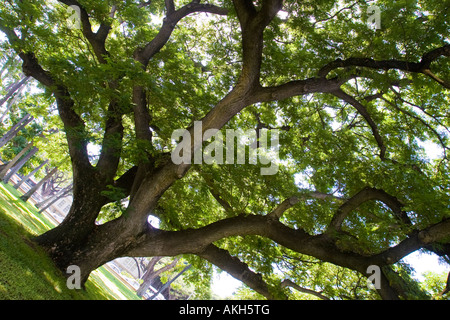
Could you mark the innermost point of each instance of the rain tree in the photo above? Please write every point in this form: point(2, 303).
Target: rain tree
point(355, 91)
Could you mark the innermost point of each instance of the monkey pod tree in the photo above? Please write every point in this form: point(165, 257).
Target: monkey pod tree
point(354, 105)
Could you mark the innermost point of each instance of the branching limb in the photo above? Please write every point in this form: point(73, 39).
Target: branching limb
point(437, 233)
point(368, 194)
point(73, 124)
point(143, 55)
point(363, 111)
point(253, 23)
point(416, 67)
point(323, 247)
point(296, 88)
point(280, 209)
point(97, 39)
point(112, 142)
point(170, 6)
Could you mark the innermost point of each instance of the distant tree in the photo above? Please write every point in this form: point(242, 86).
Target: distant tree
point(33, 189)
point(63, 193)
point(15, 129)
point(12, 89)
point(28, 176)
point(14, 161)
point(151, 274)
point(19, 164)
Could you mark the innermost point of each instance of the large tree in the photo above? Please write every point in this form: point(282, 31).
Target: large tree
point(355, 92)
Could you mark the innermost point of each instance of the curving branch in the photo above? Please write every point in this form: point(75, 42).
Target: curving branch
point(142, 117)
point(366, 115)
point(111, 145)
point(416, 67)
point(323, 246)
point(144, 54)
point(368, 194)
point(282, 207)
point(74, 125)
point(238, 269)
point(97, 39)
point(296, 88)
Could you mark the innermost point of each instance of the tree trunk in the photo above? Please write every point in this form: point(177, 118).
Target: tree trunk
point(78, 240)
point(27, 195)
point(18, 184)
point(16, 86)
point(12, 102)
point(82, 243)
point(15, 129)
point(20, 164)
point(13, 162)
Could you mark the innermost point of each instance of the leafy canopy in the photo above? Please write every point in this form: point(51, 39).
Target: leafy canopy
point(326, 144)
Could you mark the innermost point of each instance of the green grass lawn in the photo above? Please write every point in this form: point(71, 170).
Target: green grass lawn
point(27, 273)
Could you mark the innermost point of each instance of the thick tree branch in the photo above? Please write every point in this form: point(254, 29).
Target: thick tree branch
point(438, 233)
point(170, 6)
point(368, 194)
point(159, 242)
point(253, 23)
point(296, 88)
point(143, 55)
point(245, 10)
point(98, 39)
point(416, 67)
point(141, 114)
point(73, 124)
point(112, 143)
point(282, 207)
point(236, 268)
